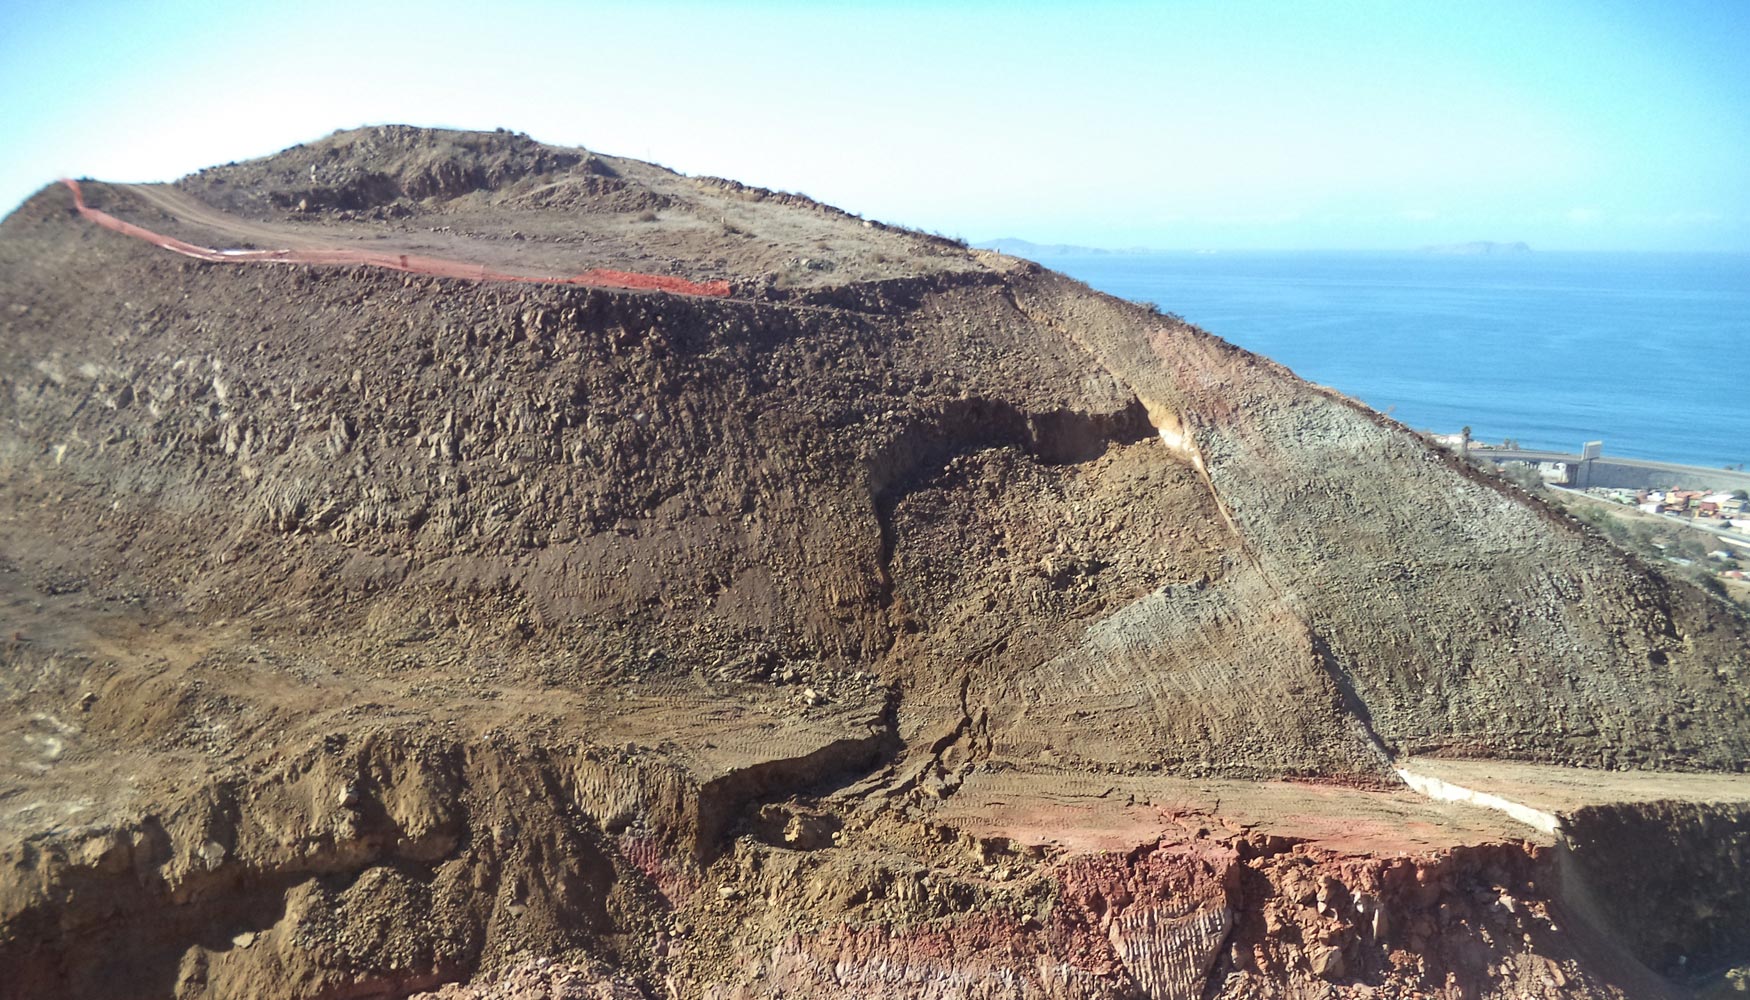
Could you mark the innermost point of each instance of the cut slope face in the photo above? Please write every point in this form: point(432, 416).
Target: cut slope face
point(560, 619)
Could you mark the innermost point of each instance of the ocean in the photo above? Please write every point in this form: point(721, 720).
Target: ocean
point(1649, 353)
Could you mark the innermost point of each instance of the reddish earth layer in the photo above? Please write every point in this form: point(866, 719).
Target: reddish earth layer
point(411, 263)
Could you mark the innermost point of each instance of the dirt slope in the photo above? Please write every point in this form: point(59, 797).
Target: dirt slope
point(915, 622)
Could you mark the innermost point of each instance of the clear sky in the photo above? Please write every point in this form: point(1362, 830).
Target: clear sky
point(1571, 124)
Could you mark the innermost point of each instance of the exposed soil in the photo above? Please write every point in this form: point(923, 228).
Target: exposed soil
point(914, 622)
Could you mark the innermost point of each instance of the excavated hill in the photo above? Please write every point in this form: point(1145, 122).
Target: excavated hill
point(913, 621)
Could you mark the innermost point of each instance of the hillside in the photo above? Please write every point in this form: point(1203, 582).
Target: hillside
point(913, 621)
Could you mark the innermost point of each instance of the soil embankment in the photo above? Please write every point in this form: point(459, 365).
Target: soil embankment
point(914, 622)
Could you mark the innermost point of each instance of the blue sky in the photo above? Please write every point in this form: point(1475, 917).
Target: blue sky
point(1366, 125)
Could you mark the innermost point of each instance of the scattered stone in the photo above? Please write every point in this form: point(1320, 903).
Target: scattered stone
point(1325, 961)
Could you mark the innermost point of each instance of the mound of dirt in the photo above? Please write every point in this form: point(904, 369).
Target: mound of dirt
point(913, 622)
point(380, 166)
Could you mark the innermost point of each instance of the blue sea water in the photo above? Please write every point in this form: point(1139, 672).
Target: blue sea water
point(1648, 352)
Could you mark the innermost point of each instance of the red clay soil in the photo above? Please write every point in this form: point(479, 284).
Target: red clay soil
point(596, 277)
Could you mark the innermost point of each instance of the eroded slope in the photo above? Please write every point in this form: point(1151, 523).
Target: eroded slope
point(667, 631)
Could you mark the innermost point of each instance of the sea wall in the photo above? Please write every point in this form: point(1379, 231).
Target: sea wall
point(1607, 472)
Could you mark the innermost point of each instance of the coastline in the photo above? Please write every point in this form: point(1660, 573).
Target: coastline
point(1550, 347)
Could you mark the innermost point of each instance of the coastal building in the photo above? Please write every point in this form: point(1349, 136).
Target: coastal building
point(1555, 473)
point(1721, 505)
point(1680, 501)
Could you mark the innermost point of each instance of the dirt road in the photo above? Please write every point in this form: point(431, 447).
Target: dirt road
point(314, 252)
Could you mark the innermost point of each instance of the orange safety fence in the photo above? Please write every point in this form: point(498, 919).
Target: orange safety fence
point(410, 263)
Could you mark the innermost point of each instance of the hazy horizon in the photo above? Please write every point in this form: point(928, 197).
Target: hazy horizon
point(1201, 125)
point(1121, 251)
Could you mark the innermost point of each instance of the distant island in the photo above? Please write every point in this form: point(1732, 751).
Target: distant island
point(1477, 247)
point(1027, 248)
point(1017, 247)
